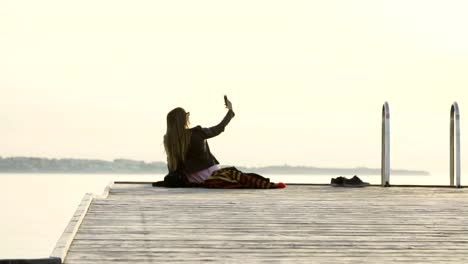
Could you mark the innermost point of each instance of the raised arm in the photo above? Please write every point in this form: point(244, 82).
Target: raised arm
point(213, 131)
point(210, 132)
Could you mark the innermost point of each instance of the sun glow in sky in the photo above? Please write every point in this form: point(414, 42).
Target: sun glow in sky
point(95, 79)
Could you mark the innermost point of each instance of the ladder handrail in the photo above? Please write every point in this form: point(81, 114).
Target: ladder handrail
point(455, 144)
point(385, 167)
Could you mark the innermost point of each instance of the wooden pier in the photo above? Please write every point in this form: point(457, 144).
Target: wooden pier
point(137, 223)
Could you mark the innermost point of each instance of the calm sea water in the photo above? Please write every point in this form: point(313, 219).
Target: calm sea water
point(35, 208)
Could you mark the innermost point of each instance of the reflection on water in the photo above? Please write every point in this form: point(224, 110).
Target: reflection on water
point(35, 208)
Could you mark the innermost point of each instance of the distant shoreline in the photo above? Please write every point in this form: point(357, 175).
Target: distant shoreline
point(330, 171)
point(127, 166)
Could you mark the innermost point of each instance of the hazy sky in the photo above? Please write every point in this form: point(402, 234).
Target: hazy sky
point(95, 79)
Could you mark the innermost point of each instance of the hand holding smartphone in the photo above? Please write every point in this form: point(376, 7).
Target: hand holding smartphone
point(227, 103)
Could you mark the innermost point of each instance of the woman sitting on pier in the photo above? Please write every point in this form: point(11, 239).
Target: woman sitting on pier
point(190, 158)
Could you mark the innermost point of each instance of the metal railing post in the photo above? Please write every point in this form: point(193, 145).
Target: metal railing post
point(455, 144)
point(385, 167)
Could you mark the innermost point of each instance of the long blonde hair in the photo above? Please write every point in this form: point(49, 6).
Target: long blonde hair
point(177, 138)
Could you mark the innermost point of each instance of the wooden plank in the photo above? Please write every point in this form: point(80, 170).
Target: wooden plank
point(63, 244)
point(140, 224)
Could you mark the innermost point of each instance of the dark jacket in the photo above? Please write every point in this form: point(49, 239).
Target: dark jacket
point(199, 156)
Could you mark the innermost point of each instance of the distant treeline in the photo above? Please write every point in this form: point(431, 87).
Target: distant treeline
point(286, 169)
point(39, 165)
point(44, 165)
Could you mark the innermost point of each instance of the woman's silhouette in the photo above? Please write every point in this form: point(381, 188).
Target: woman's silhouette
point(188, 154)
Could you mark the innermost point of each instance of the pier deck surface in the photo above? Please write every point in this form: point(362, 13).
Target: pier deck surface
point(137, 223)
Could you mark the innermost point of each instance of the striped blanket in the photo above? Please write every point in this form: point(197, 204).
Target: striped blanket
point(227, 178)
point(231, 177)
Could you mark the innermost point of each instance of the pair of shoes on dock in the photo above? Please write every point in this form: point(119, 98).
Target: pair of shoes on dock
point(345, 182)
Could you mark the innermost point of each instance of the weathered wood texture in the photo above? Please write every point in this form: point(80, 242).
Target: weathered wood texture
point(63, 244)
point(306, 224)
